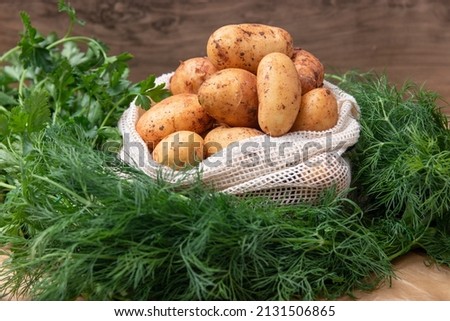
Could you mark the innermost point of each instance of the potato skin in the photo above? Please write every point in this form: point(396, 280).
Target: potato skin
point(220, 137)
point(309, 68)
point(230, 97)
point(190, 74)
point(179, 150)
point(244, 45)
point(175, 113)
point(279, 94)
point(318, 111)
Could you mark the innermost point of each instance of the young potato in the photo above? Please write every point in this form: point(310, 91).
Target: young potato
point(230, 97)
point(190, 74)
point(318, 111)
point(182, 149)
point(220, 137)
point(279, 94)
point(175, 113)
point(309, 68)
point(244, 45)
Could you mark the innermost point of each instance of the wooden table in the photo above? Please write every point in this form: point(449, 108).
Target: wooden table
point(417, 278)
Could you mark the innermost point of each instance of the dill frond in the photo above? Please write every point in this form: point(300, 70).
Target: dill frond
point(103, 235)
point(401, 164)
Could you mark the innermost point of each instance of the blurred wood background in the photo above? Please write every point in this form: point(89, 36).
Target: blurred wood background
point(406, 39)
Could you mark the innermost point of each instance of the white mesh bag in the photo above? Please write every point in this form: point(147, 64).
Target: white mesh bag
point(293, 168)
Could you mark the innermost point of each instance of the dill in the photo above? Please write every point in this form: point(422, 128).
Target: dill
point(401, 164)
point(100, 229)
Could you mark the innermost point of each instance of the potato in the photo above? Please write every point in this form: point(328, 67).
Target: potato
point(230, 97)
point(309, 68)
point(318, 111)
point(279, 93)
point(175, 113)
point(220, 137)
point(182, 149)
point(190, 74)
point(244, 45)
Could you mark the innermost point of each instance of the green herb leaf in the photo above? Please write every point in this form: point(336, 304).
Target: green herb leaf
point(6, 100)
point(33, 50)
point(149, 91)
point(38, 110)
point(4, 130)
point(32, 116)
point(18, 120)
point(143, 101)
point(63, 6)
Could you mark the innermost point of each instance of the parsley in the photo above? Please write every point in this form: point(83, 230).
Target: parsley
point(86, 86)
point(32, 115)
point(48, 81)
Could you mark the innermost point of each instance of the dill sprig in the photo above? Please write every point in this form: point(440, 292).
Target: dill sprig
point(94, 227)
point(401, 164)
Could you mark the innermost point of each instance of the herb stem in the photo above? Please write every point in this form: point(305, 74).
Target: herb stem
point(386, 118)
point(69, 30)
point(110, 112)
point(413, 243)
point(8, 53)
point(8, 186)
point(79, 38)
point(68, 191)
point(22, 83)
point(334, 76)
point(108, 115)
point(58, 109)
point(401, 252)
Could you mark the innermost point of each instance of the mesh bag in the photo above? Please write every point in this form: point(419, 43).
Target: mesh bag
point(293, 168)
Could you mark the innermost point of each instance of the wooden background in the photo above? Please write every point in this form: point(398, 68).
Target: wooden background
point(407, 39)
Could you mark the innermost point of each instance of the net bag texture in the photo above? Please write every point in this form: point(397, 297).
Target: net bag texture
point(293, 168)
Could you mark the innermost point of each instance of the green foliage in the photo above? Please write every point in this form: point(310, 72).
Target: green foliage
point(85, 86)
point(32, 116)
point(33, 47)
point(401, 163)
point(46, 81)
point(65, 7)
point(97, 228)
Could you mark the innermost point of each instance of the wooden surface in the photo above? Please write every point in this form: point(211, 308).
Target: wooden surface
point(407, 39)
point(416, 279)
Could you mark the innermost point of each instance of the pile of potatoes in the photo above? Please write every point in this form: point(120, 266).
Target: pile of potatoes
point(253, 81)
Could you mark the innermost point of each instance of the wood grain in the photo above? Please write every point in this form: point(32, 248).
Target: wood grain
point(406, 39)
point(416, 279)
